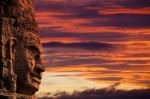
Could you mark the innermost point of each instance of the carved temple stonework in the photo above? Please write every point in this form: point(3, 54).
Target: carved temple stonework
point(21, 67)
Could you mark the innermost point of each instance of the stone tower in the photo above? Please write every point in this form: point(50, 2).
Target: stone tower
point(21, 67)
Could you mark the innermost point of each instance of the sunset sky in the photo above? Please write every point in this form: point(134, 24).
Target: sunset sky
point(94, 44)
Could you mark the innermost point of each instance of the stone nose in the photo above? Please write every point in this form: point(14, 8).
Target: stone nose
point(40, 68)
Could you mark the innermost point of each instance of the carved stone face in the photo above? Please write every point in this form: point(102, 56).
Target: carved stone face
point(29, 67)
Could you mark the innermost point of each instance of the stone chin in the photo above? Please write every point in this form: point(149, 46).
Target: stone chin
point(30, 85)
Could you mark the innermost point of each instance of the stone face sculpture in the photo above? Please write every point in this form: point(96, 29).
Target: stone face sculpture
point(30, 72)
point(21, 67)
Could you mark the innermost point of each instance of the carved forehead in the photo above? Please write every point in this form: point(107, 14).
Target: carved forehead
point(30, 39)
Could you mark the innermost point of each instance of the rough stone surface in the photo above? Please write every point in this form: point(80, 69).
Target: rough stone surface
point(21, 67)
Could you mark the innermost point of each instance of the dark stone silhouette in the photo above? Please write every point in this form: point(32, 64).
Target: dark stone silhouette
point(20, 50)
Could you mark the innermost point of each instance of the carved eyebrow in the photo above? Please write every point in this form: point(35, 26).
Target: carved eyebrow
point(34, 48)
point(34, 45)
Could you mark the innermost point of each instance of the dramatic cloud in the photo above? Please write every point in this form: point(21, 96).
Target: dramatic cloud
point(102, 94)
point(104, 41)
point(81, 45)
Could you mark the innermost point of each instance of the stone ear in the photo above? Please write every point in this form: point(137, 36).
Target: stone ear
point(14, 42)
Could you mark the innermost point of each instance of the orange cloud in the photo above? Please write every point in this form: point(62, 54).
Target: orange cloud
point(46, 21)
point(64, 39)
point(77, 68)
point(41, 15)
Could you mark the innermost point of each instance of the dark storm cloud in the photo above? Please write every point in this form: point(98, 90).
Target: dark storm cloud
point(121, 20)
point(95, 62)
point(134, 3)
point(81, 45)
point(53, 5)
point(103, 94)
point(100, 36)
point(45, 5)
point(75, 62)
